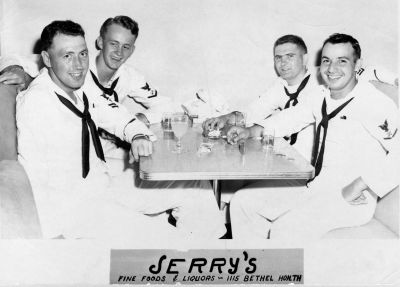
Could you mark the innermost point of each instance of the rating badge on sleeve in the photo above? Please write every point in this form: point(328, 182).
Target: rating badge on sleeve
point(388, 134)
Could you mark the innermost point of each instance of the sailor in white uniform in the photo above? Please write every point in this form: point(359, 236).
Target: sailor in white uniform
point(59, 147)
point(356, 155)
point(294, 85)
point(114, 79)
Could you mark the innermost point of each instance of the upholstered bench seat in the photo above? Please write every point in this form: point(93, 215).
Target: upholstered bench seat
point(385, 223)
point(372, 230)
point(18, 214)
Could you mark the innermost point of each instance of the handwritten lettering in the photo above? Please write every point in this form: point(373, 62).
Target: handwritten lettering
point(234, 264)
point(123, 278)
point(172, 264)
point(290, 277)
point(257, 278)
point(198, 262)
point(220, 265)
point(152, 267)
point(197, 278)
point(153, 278)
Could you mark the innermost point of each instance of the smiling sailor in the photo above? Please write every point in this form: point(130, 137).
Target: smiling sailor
point(355, 155)
point(293, 85)
point(59, 147)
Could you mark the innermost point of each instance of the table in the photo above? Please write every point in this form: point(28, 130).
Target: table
point(223, 162)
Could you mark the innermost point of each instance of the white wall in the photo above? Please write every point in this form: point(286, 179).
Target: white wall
point(223, 45)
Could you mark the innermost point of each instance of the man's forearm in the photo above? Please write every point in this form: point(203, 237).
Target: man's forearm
point(16, 75)
point(256, 131)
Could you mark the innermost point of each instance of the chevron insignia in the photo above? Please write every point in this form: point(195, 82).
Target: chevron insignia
point(113, 105)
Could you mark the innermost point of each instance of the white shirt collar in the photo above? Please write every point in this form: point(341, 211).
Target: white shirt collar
point(53, 87)
point(357, 90)
point(93, 68)
point(285, 84)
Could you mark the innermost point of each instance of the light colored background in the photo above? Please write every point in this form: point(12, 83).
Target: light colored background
point(221, 45)
point(225, 46)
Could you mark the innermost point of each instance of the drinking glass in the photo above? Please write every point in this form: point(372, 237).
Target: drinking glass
point(166, 126)
point(268, 140)
point(180, 125)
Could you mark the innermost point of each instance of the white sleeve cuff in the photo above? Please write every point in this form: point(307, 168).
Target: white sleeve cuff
point(153, 118)
point(136, 127)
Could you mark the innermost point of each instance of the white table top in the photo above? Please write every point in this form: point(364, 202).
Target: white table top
point(223, 162)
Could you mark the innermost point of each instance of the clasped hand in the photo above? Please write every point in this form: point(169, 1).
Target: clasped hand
point(140, 147)
point(216, 123)
point(236, 133)
point(233, 133)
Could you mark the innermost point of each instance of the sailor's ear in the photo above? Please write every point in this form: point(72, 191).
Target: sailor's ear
point(305, 59)
point(46, 59)
point(99, 43)
point(358, 65)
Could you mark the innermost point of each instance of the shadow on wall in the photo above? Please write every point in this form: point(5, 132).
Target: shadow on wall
point(37, 49)
point(317, 63)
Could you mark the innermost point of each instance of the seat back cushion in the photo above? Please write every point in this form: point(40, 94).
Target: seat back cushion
point(8, 130)
point(391, 91)
point(18, 213)
point(387, 210)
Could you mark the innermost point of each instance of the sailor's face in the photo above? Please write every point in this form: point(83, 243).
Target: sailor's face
point(116, 46)
point(339, 66)
point(67, 60)
point(289, 61)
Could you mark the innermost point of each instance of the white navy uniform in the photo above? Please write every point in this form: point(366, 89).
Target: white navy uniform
point(129, 82)
point(274, 100)
point(362, 141)
point(49, 148)
point(199, 205)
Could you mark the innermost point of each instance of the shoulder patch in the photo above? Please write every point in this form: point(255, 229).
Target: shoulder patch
point(388, 133)
point(146, 87)
point(384, 126)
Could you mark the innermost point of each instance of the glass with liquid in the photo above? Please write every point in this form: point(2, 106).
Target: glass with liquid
point(268, 140)
point(166, 126)
point(180, 124)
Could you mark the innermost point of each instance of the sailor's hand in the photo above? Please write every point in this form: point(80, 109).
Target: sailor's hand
point(236, 133)
point(216, 123)
point(141, 147)
point(15, 75)
point(354, 192)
